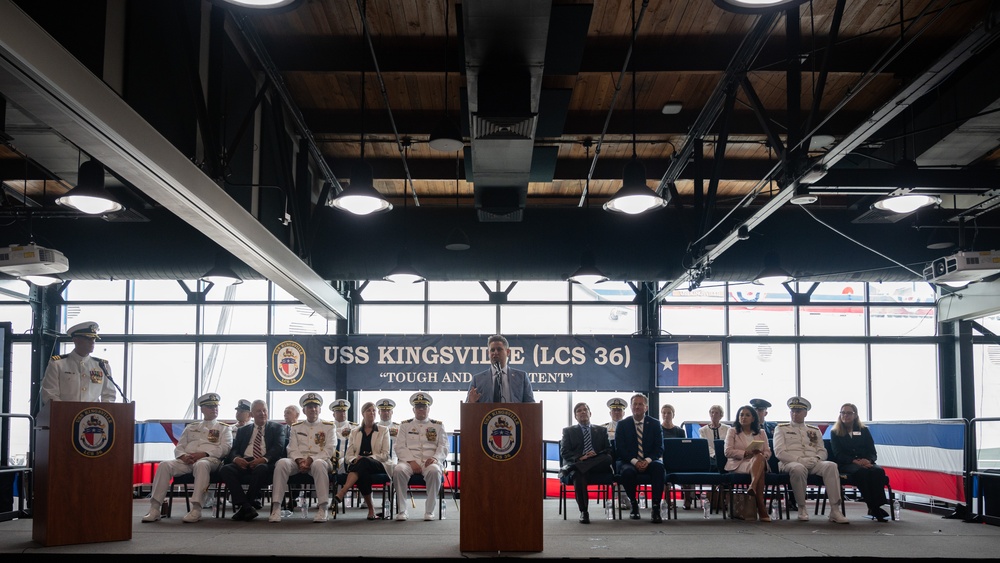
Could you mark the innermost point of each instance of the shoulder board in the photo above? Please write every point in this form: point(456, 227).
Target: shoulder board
point(432, 421)
point(408, 420)
point(354, 423)
point(192, 423)
point(57, 357)
point(811, 426)
point(101, 360)
point(784, 424)
point(224, 423)
point(298, 423)
point(329, 423)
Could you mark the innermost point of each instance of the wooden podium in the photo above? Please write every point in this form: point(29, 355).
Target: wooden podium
point(502, 482)
point(83, 473)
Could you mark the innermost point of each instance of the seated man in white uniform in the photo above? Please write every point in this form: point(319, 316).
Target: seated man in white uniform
point(421, 448)
point(311, 449)
point(199, 450)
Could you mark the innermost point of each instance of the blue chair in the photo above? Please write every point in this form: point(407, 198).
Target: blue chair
point(686, 462)
point(605, 483)
point(775, 483)
point(379, 481)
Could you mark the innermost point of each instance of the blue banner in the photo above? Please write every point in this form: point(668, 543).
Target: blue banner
point(448, 362)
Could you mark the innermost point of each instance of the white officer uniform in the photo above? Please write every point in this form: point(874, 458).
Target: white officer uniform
point(418, 441)
point(391, 425)
point(72, 377)
point(343, 431)
point(212, 437)
point(306, 440)
point(800, 452)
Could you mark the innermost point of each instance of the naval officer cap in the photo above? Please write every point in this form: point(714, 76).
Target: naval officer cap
point(421, 400)
point(243, 405)
point(340, 405)
point(86, 329)
point(385, 404)
point(209, 400)
point(311, 399)
point(617, 403)
point(760, 404)
point(799, 403)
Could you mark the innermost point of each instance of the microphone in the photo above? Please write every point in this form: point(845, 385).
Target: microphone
point(120, 392)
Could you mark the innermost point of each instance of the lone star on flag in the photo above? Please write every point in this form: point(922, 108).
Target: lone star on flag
point(667, 364)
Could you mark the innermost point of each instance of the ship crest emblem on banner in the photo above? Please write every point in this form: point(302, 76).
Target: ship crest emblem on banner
point(501, 434)
point(94, 432)
point(288, 362)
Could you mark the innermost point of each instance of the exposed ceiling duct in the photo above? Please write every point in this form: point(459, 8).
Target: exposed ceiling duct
point(504, 59)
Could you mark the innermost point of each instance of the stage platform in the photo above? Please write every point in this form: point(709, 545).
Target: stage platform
point(917, 536)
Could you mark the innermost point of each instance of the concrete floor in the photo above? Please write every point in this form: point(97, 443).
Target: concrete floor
point(917, 535)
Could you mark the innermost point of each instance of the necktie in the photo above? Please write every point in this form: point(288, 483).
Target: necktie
point(258, 442)
point(638, 435)
point(715, 431)
point(496, 387)
point(588, 442)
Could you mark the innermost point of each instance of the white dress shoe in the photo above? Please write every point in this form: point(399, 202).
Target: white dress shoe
point(803, 516)
point(152, 516)
point(428, 516)
point(193, 516)
point(320, 514)
point(400, 516)
point(837, 518)
point(275, 516)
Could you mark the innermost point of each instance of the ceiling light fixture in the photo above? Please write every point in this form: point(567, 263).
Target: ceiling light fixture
point(634, 197)
point(361, 197)
point(446, 136)
point(221, 273)
point(906, 203)
point(756, 6)
point(40, 280)
point(404, 272)
point(772, 273)
point(261, 4)
point(672, 108)
point(587, 273)
point(90, 196)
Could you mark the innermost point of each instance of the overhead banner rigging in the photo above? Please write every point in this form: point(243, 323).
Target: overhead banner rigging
point(448, 362)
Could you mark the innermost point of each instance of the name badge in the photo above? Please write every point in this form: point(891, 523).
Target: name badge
point(855, 433)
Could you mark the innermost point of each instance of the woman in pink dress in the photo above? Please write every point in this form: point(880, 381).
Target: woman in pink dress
point(742, 457)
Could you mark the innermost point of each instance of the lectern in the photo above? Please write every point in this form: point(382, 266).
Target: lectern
point(502, 481)
point(83, 473)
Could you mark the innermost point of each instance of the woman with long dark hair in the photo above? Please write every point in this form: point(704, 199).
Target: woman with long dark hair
point(747, 452)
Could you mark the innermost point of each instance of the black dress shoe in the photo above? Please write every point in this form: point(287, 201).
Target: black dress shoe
point(879, 514)
point(257, 505)
point(246, 513)
point(656, 517)
point(585, 518)
point(634, 513)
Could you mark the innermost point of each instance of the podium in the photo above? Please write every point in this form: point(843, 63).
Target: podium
point(83, 473)
point(502, 481)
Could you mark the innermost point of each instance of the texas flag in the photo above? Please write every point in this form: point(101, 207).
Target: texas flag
point(689, 364)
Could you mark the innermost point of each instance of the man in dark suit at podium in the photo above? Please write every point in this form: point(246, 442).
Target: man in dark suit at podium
point(500, 383)
point(639, 449)
point(256, 448)
point(586, 451)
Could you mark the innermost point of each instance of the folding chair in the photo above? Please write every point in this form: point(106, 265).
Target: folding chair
point(686, 462)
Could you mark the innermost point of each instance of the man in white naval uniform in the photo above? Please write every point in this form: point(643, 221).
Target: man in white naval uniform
point(421, 448)
point(199, 450)
point(311, 447)
point(78, 376)
point(385, 408)
point(616, 409)
point(344, 427)
point(800, 452)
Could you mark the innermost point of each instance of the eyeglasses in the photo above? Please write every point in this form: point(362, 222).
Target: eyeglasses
point(847, 412)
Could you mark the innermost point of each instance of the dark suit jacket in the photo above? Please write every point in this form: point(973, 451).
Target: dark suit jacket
point(274, 442)
point(571, 445)
point(627, 443)
point(520, 386)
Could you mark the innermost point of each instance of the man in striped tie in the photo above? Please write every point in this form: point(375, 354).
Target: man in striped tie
point(639, 449)
point(256, 448)
point(586, 451)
